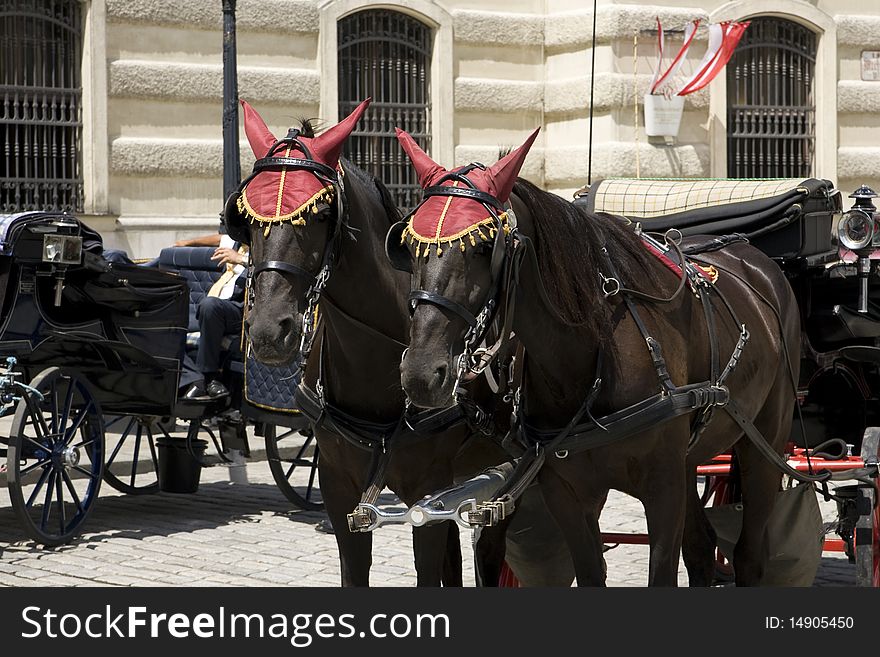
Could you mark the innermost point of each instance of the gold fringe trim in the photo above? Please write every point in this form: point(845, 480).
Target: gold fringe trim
point(423, 244)
point(296, 218)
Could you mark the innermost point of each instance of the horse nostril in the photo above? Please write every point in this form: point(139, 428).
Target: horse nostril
point(440, 373)
point(286, 326)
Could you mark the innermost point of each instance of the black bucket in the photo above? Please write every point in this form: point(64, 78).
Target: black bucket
point(179, 472)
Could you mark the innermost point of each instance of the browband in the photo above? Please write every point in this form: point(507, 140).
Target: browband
point(273, 163)
point(464, 192)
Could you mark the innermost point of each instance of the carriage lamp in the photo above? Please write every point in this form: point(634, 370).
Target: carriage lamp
point(859, 232)
point(62, 249)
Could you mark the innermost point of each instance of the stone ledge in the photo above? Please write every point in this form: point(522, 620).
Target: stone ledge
point(859, 162)
point(283, 16)
point(858, 31)
point(147, 79)
point(495, 28)
point(195, 158)
point(612, 91)
point(493, 95)
point(858, 96)
point(618, 160)
point(575, 28)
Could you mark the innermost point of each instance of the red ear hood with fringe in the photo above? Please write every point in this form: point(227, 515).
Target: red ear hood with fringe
point(451, 219)
point(288, 194)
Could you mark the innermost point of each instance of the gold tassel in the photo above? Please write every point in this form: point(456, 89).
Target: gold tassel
point(266, 230)
point(418, 245)
point(439, 250)
point(473, 241)
point(461, 244)
point(482, 237)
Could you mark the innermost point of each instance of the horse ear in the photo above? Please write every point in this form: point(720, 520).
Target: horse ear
point(426, 169)
point(327, 147)
point(504, 172)
point(259, 136)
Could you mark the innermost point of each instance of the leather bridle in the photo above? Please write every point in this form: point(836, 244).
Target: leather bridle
point(315, 281)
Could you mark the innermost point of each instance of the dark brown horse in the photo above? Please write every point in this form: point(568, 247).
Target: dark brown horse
point(580, 329)
point(329, 249)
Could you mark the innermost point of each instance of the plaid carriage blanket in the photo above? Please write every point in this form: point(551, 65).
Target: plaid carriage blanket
point(645, 198)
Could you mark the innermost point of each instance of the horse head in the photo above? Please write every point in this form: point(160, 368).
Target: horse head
point(291, 211)
point(455, 244)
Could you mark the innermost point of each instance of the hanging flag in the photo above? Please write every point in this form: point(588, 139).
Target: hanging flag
point(668, 77)
point(659, 66)
point(723, 38)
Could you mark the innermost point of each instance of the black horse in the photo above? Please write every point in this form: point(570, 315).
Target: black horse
point(593, 307)
point(332, 254)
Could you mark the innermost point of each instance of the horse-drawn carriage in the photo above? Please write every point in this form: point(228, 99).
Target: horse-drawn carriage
point(632, 231)
point(93, 354)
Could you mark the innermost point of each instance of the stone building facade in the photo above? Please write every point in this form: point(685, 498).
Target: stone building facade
point(151, 145)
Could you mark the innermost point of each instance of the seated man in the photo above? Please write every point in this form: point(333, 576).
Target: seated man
point(219, 314)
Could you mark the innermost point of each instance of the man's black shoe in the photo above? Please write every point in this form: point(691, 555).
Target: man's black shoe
point(196, 392)
point(216, 389)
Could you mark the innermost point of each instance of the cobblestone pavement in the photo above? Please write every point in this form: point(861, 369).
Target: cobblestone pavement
point(248, 535)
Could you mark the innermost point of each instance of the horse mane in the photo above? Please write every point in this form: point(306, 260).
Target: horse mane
point(568, 243)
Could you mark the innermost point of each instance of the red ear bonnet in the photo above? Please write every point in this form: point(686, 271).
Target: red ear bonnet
point(456, 221)
point(290, 195)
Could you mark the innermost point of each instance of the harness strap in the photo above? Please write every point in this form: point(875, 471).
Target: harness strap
point(640, 416)
point(287, 267)
point(417, 296)
point(751, 431)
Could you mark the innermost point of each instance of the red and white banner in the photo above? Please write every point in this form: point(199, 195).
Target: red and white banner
point(723, 38)
point(662, 84)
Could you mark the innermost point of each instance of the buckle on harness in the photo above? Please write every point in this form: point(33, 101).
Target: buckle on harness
point(709, 396)
point(489, 514)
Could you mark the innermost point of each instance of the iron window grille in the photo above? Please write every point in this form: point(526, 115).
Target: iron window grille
point(771, 113)
point(387, 55)
point(41, 116)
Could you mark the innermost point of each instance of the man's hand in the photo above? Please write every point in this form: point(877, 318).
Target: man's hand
point(225, 256)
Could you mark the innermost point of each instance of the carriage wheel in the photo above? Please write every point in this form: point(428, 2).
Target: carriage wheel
point(132, 466)
point(288, 451)
point(867, 533)
point(55, 457)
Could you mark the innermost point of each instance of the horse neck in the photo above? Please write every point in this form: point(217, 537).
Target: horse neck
point(361, 366)
point(549, 342)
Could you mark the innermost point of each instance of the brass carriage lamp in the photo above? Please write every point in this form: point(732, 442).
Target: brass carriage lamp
point(859, 231)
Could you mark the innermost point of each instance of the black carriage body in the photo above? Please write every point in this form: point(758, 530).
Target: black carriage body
point(121, 326)
point(787, 219)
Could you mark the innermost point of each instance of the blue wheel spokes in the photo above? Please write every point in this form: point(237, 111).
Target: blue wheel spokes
point(40, 482)
point(47, 503)
point(62, 515)
point(72, 491)
point(77, 423)
point(68, 404)
point(137, 449)
point(119, 444)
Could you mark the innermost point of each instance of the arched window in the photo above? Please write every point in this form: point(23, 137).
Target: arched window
point(771, 110)
point(387, 55)
point(41, 116)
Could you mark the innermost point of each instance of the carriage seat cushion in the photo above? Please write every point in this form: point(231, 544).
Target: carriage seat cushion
point(194, 264)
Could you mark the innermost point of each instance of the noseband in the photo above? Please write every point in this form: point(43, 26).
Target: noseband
point(316, 282)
